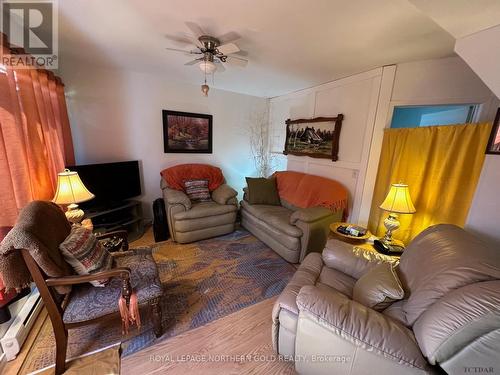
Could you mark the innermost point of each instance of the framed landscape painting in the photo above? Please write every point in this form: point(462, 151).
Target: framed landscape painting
point(317, 137)
point(185, 132)
point(494, 141)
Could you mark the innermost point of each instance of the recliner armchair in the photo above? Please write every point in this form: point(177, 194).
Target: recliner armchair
point(189, 222)
point(449, 317)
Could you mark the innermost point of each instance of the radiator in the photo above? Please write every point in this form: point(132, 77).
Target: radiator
point(22, 322)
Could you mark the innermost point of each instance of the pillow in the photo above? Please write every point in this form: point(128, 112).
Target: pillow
point(263, 191)
point(197, 190)
point(379, 287)
point(85, 254)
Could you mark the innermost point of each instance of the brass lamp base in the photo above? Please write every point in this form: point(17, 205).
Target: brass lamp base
point(391, 224)
point(74, 214)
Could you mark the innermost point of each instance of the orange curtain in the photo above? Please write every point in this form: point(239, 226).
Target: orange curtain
point(35, 137)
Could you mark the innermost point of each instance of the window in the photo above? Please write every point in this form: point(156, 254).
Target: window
point(415, 116)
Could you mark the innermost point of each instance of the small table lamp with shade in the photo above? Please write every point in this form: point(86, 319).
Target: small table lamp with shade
point(71, 191)
point(396, 202)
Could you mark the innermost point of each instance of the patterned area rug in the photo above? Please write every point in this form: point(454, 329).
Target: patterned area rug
point(202, 282)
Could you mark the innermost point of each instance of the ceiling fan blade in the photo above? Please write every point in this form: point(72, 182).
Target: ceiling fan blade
point(193, 52)
point(184, 40)
point(229, 37)
point(242, 53)
point(237, 61)
point(192, 62)
point(195, 29)
point(220, 66)
point(228, 48)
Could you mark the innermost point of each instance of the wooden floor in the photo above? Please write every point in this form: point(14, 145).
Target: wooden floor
point(239, 343)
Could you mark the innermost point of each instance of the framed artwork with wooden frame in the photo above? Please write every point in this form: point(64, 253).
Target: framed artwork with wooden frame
point(187, 133)
point(317, 137)
point(494, 141)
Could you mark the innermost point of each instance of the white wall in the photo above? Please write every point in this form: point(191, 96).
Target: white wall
point(482, 52)
point(116, 115)
point(356, 97)
point(367, 101)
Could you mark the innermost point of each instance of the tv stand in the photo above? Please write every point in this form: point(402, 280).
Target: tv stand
point(126, 215)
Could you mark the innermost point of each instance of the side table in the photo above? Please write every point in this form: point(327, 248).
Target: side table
point(365, 244)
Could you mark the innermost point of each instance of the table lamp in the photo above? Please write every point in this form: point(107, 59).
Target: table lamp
point(71, 191)
point(398, 201)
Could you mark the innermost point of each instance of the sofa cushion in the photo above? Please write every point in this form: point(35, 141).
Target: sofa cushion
point(262, 191)
point(87, 302)
point(336, 280)
point(202, 223)
point(85, 254)
point(205, 209)
point(277, 217)
point(364, 327)
point(352, 260)
point(287, 247)
point(463, 316)
point(379, 287)
point(441, 259)
point(197, 190)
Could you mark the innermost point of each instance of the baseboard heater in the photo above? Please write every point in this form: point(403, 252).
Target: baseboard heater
point(19, 329)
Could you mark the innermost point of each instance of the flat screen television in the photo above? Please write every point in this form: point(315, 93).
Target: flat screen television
point(111, 183)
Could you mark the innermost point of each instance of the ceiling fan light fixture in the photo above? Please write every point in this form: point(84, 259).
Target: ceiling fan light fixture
point(207, 67)
point(204, 89)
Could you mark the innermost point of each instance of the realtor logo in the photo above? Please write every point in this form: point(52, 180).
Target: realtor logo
point(31, 29)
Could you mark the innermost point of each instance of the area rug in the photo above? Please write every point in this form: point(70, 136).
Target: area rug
point(202, 282)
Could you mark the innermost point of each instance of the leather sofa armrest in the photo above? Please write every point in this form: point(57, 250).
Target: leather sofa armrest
point(173, 197)
point(359, 325)
point(309, 215)
point(351, 260)
point(224, 194)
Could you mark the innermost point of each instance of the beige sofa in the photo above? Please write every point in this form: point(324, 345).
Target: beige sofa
point(189, 222)
point(290, 231)
point(449, 317)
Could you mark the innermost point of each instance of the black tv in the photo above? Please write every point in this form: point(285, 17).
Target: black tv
point(111, 183)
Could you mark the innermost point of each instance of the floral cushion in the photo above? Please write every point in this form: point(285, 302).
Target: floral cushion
point(87, 302)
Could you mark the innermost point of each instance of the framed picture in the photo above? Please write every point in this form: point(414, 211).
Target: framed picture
point(317, 137)
point(185, 132)
point(494, 141)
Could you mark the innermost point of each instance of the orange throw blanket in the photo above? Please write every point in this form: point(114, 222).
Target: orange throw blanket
point(306, 190)
point(176, 175)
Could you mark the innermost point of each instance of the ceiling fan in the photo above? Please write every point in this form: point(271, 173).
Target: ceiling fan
point(214, 52)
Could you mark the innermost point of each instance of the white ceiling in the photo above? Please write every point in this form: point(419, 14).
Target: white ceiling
point(291, 45)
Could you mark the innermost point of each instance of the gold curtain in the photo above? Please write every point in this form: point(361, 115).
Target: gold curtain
point(441, 165)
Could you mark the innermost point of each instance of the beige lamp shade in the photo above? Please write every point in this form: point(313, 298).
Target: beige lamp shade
point(70, 189)
point(398, 200)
